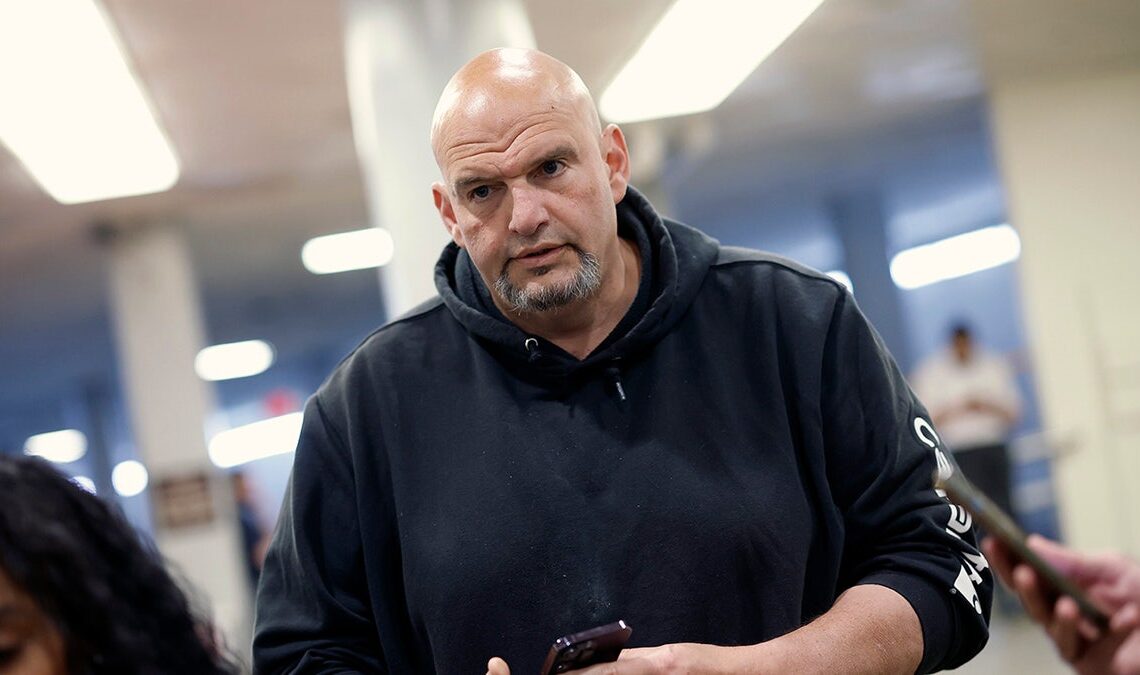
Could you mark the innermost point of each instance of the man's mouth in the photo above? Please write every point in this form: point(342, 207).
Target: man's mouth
point(539, 255)
point(537, 251)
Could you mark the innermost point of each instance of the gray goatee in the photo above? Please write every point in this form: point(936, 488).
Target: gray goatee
point(585, 284)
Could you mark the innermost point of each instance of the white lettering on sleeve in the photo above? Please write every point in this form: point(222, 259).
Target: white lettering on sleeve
point(977, 560)
point(926, 432)
point(959, 522)
point(965, 585)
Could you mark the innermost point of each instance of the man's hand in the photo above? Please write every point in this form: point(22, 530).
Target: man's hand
point(1111, 581)
point(870, 629)
point(692, 658)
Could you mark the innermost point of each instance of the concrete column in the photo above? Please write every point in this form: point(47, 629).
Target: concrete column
point(399, 55)
point(860, 221)
point(1069, 152)
point(158, 328)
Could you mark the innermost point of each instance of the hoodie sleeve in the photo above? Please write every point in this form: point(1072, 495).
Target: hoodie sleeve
point(900, 533)
point(312, 613)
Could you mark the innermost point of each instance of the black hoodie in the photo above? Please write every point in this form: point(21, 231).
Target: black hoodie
point(740, 451)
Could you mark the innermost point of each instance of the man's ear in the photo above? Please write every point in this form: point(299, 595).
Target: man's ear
point(446, 212)
point(617, 160)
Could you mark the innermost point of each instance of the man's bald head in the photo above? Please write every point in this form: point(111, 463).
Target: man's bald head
point(501, 84)
point(530, 187)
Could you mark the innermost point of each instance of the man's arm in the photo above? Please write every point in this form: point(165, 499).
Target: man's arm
point(312, 612)
point(899, 532)
point(870, 629)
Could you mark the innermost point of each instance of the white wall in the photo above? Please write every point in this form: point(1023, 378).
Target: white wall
point(1069, 151)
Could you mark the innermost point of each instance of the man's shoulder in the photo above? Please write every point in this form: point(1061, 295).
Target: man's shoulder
point(768, 270)
point(775, 272)
point(401, 341)
point(405, 331)
point(739, 255)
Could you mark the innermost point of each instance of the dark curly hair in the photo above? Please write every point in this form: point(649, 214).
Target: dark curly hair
point(106, 589)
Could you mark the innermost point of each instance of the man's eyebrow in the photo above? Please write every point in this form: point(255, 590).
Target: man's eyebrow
point(460, 186)
point(561, 152)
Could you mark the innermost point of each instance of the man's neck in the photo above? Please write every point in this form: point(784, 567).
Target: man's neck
point(580, 327)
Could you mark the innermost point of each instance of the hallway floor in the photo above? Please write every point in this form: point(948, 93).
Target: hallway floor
point(1016, 645)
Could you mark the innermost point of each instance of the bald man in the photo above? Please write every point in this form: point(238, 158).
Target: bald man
point(607, 415)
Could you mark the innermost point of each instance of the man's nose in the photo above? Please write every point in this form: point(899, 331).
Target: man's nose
point(528, 210)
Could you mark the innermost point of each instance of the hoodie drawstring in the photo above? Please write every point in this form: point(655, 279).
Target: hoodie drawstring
point(614, 373)
point(532, 350)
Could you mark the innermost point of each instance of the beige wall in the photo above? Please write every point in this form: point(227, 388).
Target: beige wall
point(1069, 151)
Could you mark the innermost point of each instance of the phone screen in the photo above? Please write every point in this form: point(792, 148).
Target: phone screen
point(597, 645)
point(999, 524)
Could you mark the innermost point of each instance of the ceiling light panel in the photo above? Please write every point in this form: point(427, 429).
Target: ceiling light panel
point(356, 250)
point(955, 257)
point(61, 447)
point(697, 54)
point(73, 113)
point(266, 438)
point(129, 478)
point(233, 360)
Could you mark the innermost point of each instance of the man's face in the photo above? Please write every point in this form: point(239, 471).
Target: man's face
point(529, 194)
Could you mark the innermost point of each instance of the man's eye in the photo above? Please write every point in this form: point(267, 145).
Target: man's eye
point(481, 192)
point(551, 167)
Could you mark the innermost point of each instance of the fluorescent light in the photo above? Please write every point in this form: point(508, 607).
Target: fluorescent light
point(73, 113)
point(234, 359)
point(697, 54)
point(955, 257)
point(273, 436)
point(84, 482)
point(61, 447)
point(356, 250)
point(841, 277)
point(129, 478)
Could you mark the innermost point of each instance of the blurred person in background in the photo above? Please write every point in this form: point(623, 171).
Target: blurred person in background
point(254, 537)
point(1111, 580)
point(973, 399)
point(81, 594)
point(608, 415)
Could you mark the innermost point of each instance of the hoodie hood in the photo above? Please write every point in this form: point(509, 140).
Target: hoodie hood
point(675, 259)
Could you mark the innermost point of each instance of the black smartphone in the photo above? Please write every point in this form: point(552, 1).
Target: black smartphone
point(597, 645)
point(999, 524)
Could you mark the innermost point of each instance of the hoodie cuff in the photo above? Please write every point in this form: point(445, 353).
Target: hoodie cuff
point(931, 604)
